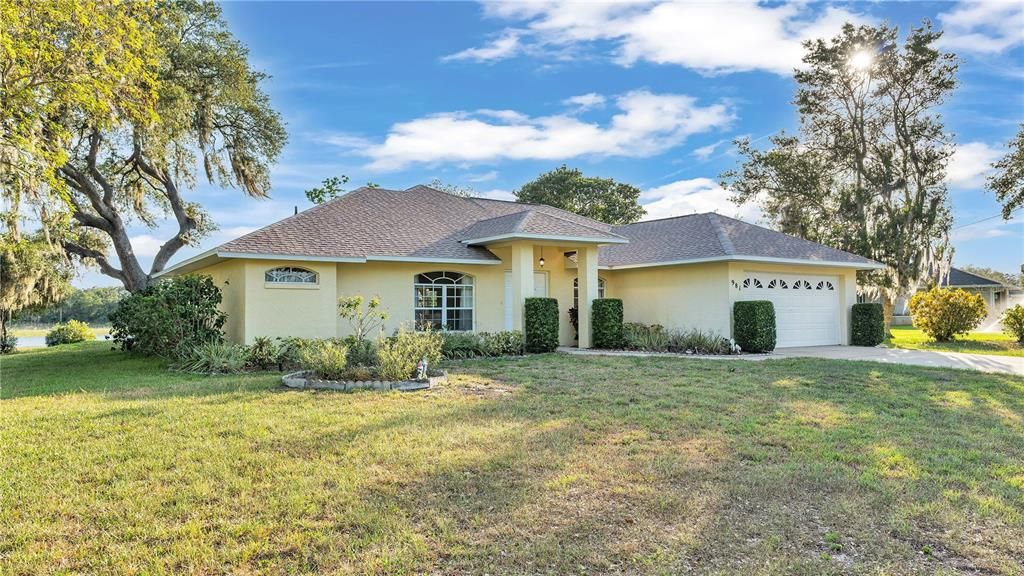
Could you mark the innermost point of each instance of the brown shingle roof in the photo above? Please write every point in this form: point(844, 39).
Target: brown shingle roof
point(416, 223)
point(710, 236)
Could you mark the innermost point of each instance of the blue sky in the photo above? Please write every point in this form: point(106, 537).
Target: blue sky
point(491, 95)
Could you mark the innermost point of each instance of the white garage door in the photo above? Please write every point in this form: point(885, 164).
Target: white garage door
point(806, 307)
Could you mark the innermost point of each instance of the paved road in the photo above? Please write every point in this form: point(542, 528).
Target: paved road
point(982, 362)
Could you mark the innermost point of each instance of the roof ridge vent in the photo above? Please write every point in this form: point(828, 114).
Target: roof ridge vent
point(723, 238)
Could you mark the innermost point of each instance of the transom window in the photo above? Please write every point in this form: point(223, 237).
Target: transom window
point(290, 275)
point(443, 301)
point(576, 291)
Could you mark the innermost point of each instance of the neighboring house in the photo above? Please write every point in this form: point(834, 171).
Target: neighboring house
point(468, 264)
point(998, 297)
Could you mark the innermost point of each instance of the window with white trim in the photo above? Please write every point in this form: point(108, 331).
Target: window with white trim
point(576, 291)
point(290, 275)
point(443, 301)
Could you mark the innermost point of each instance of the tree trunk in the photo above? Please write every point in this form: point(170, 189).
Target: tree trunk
point(887, 307)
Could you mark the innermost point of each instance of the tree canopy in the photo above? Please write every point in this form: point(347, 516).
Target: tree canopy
point(34, 272)
point(209, 115)
point(866, 173)
point(602, 199)
point(1008, 180)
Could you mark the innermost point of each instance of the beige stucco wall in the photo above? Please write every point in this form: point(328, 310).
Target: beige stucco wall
point(255, 308)
point(682, 297)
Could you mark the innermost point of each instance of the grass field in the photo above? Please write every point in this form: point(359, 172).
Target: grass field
point(995, 343)
point(543, 465)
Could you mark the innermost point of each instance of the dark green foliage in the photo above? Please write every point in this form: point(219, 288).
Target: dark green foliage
point(459, 345)
point(8, 344)
point(607, 323)
point(602, 199)
point(262, 354)
point(361, 352)
point(541, 325)
point(91, 305)
point(71, 332)
point(754, 325)
point(170, 317)
point(868, 324)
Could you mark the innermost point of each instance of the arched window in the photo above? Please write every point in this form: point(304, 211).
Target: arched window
point(290, 275)
point(576, 291)
point(443, 301)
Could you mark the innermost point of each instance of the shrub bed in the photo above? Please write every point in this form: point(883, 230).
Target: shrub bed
point(458, 345)
point(867, 324)
point(1013, 322)
point(655, 338)
point(607, 323)
point(754, 325)
point(541, 325)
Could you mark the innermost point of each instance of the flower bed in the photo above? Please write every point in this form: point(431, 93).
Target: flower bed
point(304, 380)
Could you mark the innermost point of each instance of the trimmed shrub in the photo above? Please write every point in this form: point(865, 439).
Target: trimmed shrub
point(541, 325)
point(68, 333)
point(170, 317)
point(399, 355)
point(607, 323)
point(942, 313)
point(867, 322)
point(327, 359)
point(1013, 322)
point(215, 358)
point(754, 325)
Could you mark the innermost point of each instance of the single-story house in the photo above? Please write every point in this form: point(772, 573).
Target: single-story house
point(468, 264)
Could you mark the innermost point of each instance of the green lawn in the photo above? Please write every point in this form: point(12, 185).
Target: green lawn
point(995, 343)
point(544, 465)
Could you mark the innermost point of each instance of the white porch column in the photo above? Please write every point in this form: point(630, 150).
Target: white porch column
point(522, 280)
point(586, 262)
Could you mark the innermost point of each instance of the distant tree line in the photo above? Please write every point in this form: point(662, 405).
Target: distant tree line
point(91, 305)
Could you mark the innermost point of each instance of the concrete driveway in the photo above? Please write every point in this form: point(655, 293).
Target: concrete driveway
point(982, 362)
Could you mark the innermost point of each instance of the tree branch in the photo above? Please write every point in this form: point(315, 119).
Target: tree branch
point(101, 259)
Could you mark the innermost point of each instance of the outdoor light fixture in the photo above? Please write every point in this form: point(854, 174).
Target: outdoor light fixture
point(541, 256)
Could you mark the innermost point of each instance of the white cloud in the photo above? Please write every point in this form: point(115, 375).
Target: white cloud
point(498, 195)
point(710, 37)
point(646, 125)
point(693, 196)
point(986, 230)
point(485, 177)
point(705, 152)
point(146, 245)
point(983, 27)
point(971, 163)
point(504, 46)
point(585, 101)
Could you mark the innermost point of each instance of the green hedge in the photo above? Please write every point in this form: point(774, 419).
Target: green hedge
point(754, 325)
point(607, 323)
point(541, 325)
point(868, 324)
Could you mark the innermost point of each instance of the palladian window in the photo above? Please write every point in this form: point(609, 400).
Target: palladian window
point(290, 275)
point(443, 301)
